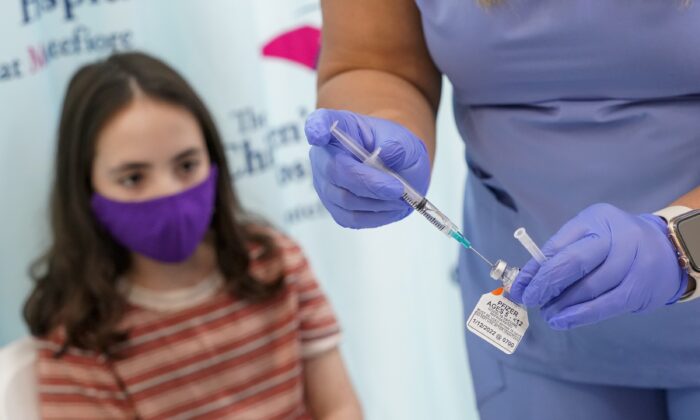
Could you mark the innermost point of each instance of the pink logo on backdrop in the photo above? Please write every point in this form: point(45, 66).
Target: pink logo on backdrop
point(301, 46)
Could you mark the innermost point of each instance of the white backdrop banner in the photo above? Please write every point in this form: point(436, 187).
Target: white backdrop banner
point(253, 62)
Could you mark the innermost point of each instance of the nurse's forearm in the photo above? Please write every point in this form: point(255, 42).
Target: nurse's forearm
point(385, 95)
point(380, 68)
point(691, 199)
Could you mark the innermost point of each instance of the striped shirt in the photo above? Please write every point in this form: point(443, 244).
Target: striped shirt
point(199, 354)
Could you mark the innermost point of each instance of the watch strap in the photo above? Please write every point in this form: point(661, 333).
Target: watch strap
point(668, 214)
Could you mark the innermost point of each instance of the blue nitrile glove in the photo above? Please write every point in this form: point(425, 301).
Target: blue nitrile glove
point(357, 195)
point(602, 263)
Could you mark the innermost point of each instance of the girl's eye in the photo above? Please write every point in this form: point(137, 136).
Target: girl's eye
point(131, 180)
point(188, 166)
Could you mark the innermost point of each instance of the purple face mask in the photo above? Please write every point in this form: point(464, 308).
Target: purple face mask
point(166, 229)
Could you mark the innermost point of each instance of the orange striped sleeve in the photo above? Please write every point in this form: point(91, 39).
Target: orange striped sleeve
point(77, 385)
point(318, 327)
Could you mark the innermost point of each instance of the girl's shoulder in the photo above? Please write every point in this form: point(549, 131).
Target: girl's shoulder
point(259, 233)
point(318, 326)
point(273, 254)
point(55, 357)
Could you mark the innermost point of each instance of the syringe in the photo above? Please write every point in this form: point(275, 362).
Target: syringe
point(410, 195)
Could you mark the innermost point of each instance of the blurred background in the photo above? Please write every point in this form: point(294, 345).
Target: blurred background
point(253, 62)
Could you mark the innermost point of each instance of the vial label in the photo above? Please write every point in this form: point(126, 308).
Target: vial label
point(499, 321)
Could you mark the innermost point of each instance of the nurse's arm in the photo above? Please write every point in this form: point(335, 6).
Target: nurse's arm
point(374, 61)
point(691, 199)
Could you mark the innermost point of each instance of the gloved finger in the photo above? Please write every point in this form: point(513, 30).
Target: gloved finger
point(400, 154)
point(363, 219)
point(318, 127)
point(601, 280)
point(347, 200)
point(363, 180)
point(565, 268)
point(570, 232)
point(344, 171)
point(664, 290)
point(607, 276)
point(522, 280)
point(603, 307)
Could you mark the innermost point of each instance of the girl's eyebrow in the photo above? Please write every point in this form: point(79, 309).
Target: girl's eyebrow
point(130, 166)
point(193, 151)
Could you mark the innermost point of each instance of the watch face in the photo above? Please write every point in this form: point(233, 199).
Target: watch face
point(689, 235)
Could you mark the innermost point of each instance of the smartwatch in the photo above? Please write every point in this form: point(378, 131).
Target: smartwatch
point(684, 232)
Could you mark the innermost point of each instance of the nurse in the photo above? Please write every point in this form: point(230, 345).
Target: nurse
point(581, 119)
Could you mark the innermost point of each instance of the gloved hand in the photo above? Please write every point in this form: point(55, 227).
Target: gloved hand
point(601, 264)
point(357, 195)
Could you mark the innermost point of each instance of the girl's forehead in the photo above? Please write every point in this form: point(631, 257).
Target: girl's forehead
point(148, 129)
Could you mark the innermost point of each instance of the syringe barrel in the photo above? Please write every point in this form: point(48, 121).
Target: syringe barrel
point(356, 149)
point(527, 242)
point(414, 199)
point(428, 210)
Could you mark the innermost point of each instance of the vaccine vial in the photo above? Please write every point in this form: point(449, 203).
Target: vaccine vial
point(504, 273)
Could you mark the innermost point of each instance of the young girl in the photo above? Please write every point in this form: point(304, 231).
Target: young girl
point(156, 299)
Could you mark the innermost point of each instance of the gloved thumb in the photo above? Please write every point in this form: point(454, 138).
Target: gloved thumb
point(318, 125)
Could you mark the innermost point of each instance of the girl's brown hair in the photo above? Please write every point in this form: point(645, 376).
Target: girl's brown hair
point(76, 279)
